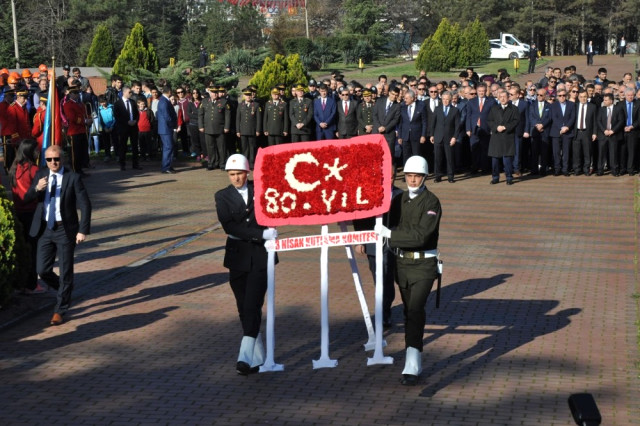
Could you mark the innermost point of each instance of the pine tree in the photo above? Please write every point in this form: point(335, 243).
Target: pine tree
point(476, 44)
point(281, 70)
point(137, 52)
point(101, 52)
point(441, 51)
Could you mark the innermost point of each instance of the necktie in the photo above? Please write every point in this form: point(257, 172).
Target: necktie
point(608, 118)
point(481, 103)
point(324, 102)
point(388, 108)
point(583, 121)
point(410, 112)
point(346, 108)
point(128, 109)
point(446, 111)
point(540, 108)
point(275, 103)
point(51, 217)
point(629, 109)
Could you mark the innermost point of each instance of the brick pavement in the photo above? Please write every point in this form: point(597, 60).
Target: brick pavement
point(537, 304)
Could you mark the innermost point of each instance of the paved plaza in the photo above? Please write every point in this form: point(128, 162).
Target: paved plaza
point(539, 301)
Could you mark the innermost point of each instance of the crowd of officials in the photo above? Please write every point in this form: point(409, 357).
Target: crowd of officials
point(566, 123)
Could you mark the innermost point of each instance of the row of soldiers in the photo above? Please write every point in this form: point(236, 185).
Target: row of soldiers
point(280, 119)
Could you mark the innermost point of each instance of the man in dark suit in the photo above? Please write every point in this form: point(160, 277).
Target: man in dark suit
point(431, 103)
point(610, 122)
point(301, 116)
point(445, 131)
point(60, 193)
point(585, 134)
point(347, 116)
point(412, 129)
point(629, 141)
point(478, 129)
point(324, 114)
point(275, 122)
point(503, 121)
point(533, 57)
point(386, 115)
point(246, 259)
point(522, 131)
point(126, 114)
point(563, 119)
point(539, 124)
point(167, 121)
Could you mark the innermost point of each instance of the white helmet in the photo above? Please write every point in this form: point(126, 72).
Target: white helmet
point(416, 164)
point(237, 162)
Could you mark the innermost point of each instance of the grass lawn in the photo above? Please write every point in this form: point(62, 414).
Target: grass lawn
point(394, 68)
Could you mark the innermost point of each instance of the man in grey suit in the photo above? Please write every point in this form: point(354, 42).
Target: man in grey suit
point(445, 131)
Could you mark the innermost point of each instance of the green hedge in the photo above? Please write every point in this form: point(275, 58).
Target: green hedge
point(14, 253)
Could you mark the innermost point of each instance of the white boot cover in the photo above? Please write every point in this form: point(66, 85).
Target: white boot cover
point(247, 349)
point(259, 353)
point(413, 362)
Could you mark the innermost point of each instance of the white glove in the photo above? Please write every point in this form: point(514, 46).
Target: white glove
point(383, 231)
point(270, 234)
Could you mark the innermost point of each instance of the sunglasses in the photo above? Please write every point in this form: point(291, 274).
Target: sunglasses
point(55, 159)
point(433, 91)
point(574, 91)
point(179, 91)
point(560, 96)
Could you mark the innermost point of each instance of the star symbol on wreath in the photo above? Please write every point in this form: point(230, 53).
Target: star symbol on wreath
point(334, 170)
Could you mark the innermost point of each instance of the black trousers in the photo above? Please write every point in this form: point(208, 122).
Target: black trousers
point(415, 279)
point(54, 243)
point(581, 152)
point(216, 149)
point(249, 289)
point(300, 138)
point(539, 153)
point(9, 152)
point(561, 147)
point(130, 133)
point(628, 152)
point(79, 152)
point(248, 147)
point(443, 151)
point(274, 140)
point(479, 143)
point(610, 147)
point(183, 135)
point(388, 280)
point(198, 144)
point(532, 66)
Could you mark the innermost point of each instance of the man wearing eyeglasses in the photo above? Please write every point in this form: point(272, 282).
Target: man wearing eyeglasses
point(563, 118)
point(60, 193)
point(539, 123)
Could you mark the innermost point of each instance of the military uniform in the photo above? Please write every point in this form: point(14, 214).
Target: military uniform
point(417, 232)
point(9, 130)
point(214, 116)
point(76, 115)
point(248, 127)
point(365, 117)
point(301, 111)
point(275, 121)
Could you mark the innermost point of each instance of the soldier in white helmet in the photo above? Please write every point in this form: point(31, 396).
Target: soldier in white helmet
point(246, 259)
point(415, 243)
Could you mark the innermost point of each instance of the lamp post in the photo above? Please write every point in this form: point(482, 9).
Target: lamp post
point(15, 33)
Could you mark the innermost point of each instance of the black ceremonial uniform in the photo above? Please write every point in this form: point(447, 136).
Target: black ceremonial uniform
point(245, 255)
point(249, 125)
point(275, 121)
point(301, 111)
point(215, 117)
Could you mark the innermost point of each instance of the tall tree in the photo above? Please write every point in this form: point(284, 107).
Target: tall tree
point(101, 52)
point(136, 53)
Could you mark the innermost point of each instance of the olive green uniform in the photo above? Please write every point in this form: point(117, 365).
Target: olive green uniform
point(417, 232)
point(215, 117)
point(364, 114)
point(249, 125)
point(301, 112)
point(275, 121)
